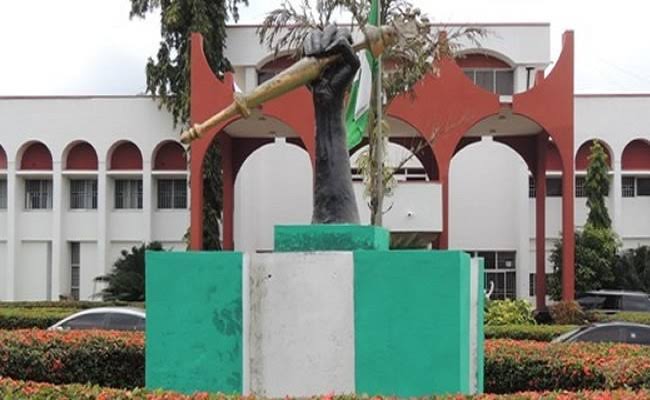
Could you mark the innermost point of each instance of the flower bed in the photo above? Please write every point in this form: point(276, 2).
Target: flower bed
point(18, 390)
point(513, 366)
point(103, 358)
point(541, 333)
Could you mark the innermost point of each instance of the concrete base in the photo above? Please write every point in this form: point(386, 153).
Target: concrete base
point(330, 237)
point(394, 323)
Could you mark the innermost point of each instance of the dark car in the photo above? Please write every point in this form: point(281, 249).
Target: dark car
point(108, 318)
point(614, 332)
point(614, 300)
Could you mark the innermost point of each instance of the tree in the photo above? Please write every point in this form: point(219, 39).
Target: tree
point(415, 54)
point(126, 281)
point(596, 245)
point(168, 78)
point(632, 269)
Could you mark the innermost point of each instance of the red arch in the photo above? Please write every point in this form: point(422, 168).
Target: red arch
point(126, 156)
point(636, 155)
point(170, 156)
point(582, 156)
point(3, 158)
point(36, 157)
point(82, 156)
point(480, 60)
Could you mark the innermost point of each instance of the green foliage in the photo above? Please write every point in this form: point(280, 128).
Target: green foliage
point(126, 280)
point(26, 318)
point(637, 317)
point(567, 313)
point(100, 358)
point(597, 187)
point(212, 198)
point(168, 76)
point(539, 333)
point(632, 269)
point(595, 257)
point(508, 312)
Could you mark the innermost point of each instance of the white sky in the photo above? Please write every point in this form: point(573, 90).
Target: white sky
point(76, 47)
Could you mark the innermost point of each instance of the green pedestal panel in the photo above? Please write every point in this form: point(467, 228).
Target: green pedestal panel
point(330, 237)
point(412, 323)
point(194, 321)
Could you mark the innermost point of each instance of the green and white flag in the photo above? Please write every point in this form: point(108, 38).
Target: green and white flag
point(356, 117)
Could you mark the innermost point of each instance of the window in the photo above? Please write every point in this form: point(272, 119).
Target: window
point(128, 194)
point(601, 334)
point(554, 187)
point(38, 194)
point(628, 186)
point(499, 81)
point(83, 194)
point(125, 322)
point(3, 194)
point(532, 188)
point(75, 264)
point(172, 193)
point(643, 186)
point(500, 273)
point(580, 186)
point(87, 321)
point(532, 285)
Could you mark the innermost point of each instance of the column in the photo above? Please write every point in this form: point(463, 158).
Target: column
point(147, 200)
point(58, 244)
point(228, 181)
point(13, 208)
point(540, 222)
point(568, 227)
point(444, 182)
point(616, 197)
point(196, 199)
point(102, 217)
point(250, 79)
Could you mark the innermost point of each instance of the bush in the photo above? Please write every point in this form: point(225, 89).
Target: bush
point(567, 313)
point(28, 318)
point(77, 305)
point(627, 316)
point(508, 312)
point(102, 358)
point(19, 390)
point(512, 366)
point(540, 333)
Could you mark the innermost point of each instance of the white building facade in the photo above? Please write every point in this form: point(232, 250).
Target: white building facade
point(83, 178)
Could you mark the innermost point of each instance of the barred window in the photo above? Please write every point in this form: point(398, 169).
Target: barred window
point(499, 81)
point(532, 188)
point(580, 187)
point(554, 187)
point(75, 267)
point(628, 186)
point(172, 193)
point(38, 194)
point(128, 194)
point(3, 194)
point(83, 194)
point(643, 186)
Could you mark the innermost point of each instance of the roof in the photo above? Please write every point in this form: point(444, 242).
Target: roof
point(615, 293)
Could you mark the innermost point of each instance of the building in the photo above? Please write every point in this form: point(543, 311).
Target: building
point(82, 178)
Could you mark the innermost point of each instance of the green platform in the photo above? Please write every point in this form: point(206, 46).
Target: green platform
point(330, 237)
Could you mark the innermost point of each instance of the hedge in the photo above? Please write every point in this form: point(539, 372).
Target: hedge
point(78, 305)
point(627, 316)
point(18, 390)
point(513, 366)
point(541, 333)
point(28, 318)
point(113, 359)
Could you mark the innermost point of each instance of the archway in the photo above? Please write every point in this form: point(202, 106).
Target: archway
point(3, 159)
point(584, 151)
point(80, 155)
point(35, 156)
point(169, 156)
point(126, 156)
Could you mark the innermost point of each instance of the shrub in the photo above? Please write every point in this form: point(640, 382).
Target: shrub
point(627, 316)
point(512, 366)
point(540, 333)
point(28, 318)
point(19, 390)
point(508, 312)
point(567, 313)
point(102, 358)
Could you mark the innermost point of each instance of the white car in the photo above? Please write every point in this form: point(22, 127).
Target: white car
point(105, 318)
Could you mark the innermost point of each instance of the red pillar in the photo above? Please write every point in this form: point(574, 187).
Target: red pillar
point(228, 182)
point(568, 238)
point(196, 200)
point(540, 222)
point(444, 182)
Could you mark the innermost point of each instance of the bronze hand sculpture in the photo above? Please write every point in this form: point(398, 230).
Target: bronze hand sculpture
point(334, 200)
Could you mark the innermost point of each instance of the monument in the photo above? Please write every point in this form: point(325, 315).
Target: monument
point(332, 309)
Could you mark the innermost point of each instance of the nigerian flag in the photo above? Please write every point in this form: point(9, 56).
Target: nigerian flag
point(356, 117)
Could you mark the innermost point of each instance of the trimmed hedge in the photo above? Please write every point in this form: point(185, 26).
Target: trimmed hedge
point(28, 318)
point(540, 333)
point(627, 316)
point(113, 359)
point(19, 390)
point(513, 366)
point(78, 305)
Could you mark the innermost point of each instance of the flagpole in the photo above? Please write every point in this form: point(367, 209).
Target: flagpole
point(379, 139)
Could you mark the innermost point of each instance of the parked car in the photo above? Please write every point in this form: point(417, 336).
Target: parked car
point(612, 301)
point(614, 332)
point(108, 318)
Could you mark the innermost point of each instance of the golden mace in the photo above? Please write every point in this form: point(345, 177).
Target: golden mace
point(302, 72)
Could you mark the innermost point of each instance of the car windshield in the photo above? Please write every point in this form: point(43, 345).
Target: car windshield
point(566, 336)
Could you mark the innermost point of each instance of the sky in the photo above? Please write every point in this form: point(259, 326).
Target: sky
point(91, 47)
